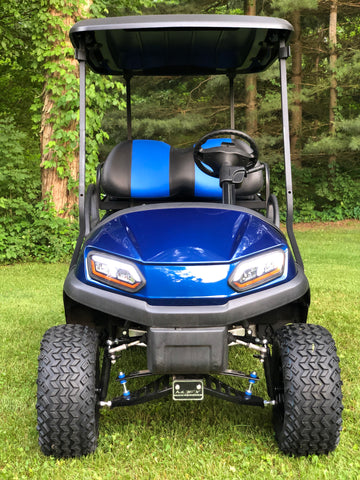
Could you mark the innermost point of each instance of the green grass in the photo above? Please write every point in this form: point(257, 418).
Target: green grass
point(175, 440)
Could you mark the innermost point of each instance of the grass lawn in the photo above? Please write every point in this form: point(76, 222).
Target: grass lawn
point(179, 440)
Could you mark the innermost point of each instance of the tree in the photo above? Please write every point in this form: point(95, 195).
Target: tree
point(296, 77)
point(15, 63)
point(59, 159)
point(60, 104)
point(251, 86)
point(332, 65)
point(295, 10)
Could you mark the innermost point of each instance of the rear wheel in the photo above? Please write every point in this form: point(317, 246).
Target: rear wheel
point(68, 391)
point(307, 388)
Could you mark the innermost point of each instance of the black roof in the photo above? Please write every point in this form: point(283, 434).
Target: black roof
point(180, 44)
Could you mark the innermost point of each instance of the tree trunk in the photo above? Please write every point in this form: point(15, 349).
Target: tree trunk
point(251, 86)
point(296, 115)
point(56, 182)
point(332, 63)
point(53, 186)
point(317, 76)
point(333, 80)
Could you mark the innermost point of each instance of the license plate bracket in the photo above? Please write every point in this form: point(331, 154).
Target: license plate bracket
point(188, 389)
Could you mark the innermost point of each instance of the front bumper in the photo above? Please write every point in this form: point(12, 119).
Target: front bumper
point(140, 312)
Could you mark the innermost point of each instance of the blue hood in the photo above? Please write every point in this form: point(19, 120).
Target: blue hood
point(186, 252)
point(185, 234)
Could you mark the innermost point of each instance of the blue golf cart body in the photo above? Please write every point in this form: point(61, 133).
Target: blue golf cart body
point(180, 250)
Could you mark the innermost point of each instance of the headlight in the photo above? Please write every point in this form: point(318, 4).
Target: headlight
point(258, 270)
point(115, 272)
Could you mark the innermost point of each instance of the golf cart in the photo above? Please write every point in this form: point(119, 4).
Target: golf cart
point(188, 260)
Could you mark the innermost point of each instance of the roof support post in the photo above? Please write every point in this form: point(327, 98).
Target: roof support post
point(232, 100)
point(284, 53)
point(80, 55)
point(82, 145)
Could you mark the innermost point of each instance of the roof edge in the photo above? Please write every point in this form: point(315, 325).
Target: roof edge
point(143, 22)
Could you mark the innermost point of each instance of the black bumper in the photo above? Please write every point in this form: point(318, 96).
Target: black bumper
point(140, 312)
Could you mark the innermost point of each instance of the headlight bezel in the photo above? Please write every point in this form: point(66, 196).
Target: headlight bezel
point(260, 278)
point(118, 263)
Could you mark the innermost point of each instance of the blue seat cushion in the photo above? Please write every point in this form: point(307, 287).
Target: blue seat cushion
point(150, 169)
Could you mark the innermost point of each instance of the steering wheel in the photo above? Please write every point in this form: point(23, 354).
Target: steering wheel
point(236, 154)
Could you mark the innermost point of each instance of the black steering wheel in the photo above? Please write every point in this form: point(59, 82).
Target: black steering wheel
point(235, 154)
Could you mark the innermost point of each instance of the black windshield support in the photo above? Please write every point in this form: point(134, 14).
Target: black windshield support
point(232, 100)
point(80, 55)
point(284, 53)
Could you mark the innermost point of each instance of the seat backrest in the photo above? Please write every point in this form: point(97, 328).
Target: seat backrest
point(150, 169)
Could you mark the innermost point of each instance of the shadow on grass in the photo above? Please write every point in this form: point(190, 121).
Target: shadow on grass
point(209, 421)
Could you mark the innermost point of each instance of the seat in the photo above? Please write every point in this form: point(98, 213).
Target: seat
point(150, 169)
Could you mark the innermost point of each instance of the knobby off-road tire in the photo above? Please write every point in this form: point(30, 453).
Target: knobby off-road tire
point(67, 396)
point(307, 387)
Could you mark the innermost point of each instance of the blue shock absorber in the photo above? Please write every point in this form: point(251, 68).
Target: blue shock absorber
point(123, 381)
point(252, 380)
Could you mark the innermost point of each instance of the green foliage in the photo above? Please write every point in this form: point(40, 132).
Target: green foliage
point(282, 7)
point(17, 168)
point(15, 26)
point(327, 195)
point(53, 61)
point(334, 186)
point(29, 227)
point(34, 232)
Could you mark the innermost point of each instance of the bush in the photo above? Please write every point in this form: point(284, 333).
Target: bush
point(321, 193)
point(29, 227)
point(34, 232)
point(327, 194)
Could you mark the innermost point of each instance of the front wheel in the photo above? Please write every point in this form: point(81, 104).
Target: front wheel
point(307, 387)
point(68, 391)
